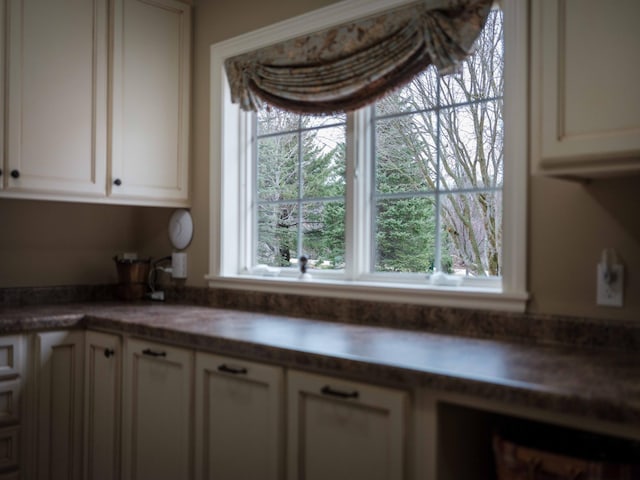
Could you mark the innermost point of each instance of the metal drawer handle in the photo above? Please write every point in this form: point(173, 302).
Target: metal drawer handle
point(152, 353)
point(327, 390)
point(236, 371)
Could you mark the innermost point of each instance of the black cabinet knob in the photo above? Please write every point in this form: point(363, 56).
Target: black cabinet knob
point(15, 174)
point(109, 352)
point(0, 172)
point(117, 182)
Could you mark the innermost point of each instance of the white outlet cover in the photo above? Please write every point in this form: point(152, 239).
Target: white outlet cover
point(180, 229)
point(610, 295)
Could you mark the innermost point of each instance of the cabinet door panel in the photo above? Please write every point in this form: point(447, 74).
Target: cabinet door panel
point(238, 419)
point(584, 116)
point(57, 102)
point(103, 363)
point(157, 412)
point(3, 33)
point(151, 98)
point(344, 430)
point(59, 430)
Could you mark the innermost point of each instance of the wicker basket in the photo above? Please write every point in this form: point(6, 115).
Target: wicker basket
point(132, 278)
point(519, 462)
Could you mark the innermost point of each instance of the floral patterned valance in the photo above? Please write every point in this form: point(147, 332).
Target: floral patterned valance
point(351, 65)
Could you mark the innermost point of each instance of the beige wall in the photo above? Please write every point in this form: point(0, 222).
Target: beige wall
point(569, 223)
point(55, 243)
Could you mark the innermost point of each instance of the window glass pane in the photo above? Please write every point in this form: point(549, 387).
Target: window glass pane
point(324, 234)
point(277, 241)
point(472, 239)
point(406, 153)
point(405, 235)
point(274, 120)
point(420, 94)
point(323, 162)
point(471, 138)
point(480, 75)
point(310, 121)
point(278, 167)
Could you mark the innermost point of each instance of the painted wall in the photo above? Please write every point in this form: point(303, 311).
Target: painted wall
point(569, 223)
point(55, 243)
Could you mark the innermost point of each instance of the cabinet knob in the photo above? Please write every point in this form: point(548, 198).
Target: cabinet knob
point(0, 172)
point(109, 352)
point(117, 182)
point(15, 174)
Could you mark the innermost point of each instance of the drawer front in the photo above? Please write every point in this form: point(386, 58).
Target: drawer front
point(10, 355)
point(9, 401)
point(9, 447)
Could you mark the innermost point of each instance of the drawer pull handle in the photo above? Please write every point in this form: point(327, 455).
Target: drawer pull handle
point(153, 353)
point(109, 352)
point(327, 390)
point(233, 370)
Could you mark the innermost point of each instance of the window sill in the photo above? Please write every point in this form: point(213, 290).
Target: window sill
point(457, 297)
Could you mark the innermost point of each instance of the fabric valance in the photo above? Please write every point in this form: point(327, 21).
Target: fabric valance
point(349, 66)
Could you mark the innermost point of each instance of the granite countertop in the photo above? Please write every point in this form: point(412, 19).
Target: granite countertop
point(589, 382)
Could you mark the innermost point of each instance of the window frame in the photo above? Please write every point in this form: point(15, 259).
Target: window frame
point(230, 178)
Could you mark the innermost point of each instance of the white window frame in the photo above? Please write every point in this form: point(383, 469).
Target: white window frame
point(230, 176)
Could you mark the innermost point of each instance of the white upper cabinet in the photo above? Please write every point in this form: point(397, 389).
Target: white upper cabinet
point(96, 101)
point(585, 100)
point(151, 61)
point(57, 97)
point(3, 30)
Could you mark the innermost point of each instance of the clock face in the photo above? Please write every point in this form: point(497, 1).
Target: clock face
point(180, 229)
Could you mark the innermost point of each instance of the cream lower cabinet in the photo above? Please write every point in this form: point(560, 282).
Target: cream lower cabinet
point(344, 430)
point(157, 406)
point(239, 419)
point(12, 418)
point(102, 406)
point(59, 372)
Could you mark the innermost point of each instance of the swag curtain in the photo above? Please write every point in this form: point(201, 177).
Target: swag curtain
point(352, 65)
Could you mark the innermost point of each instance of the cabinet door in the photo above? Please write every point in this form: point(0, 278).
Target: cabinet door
point(585, 95)
point(150, 100)
point(239, 425)
point(57, 97)
point(157, 412)
point(59, 428)
point(344, 430)
point(103, 364)
point(3, 31)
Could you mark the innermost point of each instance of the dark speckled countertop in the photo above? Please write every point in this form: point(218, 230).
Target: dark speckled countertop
point(588, 382)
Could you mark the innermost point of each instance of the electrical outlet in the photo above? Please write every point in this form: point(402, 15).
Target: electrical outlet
point(179, 265)
point(610, 285)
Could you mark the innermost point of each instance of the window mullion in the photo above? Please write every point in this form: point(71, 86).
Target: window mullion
point(358, 212)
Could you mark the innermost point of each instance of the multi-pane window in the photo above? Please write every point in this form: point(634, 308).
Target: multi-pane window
point(300, 179)
point(434, 178)
point(439, 167)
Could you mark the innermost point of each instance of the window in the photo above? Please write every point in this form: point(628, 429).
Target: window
point(381, 199)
